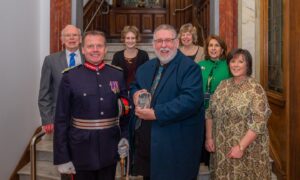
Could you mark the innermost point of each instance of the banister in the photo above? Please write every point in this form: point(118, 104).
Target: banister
point(33, 153)
point(182, 9)
point(99, 7)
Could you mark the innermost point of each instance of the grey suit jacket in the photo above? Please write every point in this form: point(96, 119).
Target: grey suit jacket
point(51, 76)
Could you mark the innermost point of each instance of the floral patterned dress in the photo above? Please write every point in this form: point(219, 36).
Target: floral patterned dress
point(234, 109)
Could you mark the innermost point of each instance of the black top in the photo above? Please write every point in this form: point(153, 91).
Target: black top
point(129, 71)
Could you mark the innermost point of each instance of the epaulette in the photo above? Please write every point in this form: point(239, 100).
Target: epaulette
point(69, 68)
point(115, 67)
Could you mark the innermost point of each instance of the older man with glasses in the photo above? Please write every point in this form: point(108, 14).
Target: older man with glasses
point(167, 136)
point(51, 73)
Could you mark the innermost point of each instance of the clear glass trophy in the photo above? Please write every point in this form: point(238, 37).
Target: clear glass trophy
point(144, 101)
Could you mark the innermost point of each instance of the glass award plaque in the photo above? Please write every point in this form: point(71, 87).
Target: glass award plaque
point(144, 101)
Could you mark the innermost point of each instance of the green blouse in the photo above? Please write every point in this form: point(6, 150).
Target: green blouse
point(217, 71)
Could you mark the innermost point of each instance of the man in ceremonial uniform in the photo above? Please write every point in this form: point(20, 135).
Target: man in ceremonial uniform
point(87, 127)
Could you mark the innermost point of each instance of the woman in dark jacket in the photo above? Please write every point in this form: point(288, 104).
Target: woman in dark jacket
point(131, 57)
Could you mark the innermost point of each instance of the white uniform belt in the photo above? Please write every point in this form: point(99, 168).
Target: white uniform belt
point(95, 123)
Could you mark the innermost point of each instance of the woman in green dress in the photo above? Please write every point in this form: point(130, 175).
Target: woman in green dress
point(214, 69)
point(237, 133)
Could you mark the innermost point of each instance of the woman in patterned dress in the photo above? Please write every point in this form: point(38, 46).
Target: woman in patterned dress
point(237, 116)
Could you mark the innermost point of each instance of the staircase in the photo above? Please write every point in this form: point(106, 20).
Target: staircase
point(47, 171)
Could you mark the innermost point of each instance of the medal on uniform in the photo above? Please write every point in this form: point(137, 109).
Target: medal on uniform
point(114, 86)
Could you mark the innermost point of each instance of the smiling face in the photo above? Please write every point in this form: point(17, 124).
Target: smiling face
point(214, 49)
point(71, 38)
point(130, 40)
point(94, 49)
point(238, 67)
point(186, 39)
point(165, 45)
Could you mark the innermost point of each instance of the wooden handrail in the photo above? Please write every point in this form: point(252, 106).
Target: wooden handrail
point(33, 153)
point(99, 7)
point(182, 9)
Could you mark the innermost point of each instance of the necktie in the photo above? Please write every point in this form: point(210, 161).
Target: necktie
point(156, 79)
point(72, 60)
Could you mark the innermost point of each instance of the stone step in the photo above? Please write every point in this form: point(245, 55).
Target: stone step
point(203, 172)
point(44, 150)
point(45, 171)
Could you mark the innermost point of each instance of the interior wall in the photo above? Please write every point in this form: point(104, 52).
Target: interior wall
point(24, 41)
point(247, 28)
point(214, 17)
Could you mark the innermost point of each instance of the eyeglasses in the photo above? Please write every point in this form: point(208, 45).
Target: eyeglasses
point(71, 35)
point(167, 41)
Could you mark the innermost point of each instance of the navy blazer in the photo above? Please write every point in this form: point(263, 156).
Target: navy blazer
point(177, 133)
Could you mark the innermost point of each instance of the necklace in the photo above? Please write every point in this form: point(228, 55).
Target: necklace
point(130, 55)
point(129, 60)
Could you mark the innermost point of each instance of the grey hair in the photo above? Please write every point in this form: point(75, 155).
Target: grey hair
point(165, 27)
point(70, 25)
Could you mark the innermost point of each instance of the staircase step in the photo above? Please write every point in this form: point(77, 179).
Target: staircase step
point(45, 171)
point(203, 172)
point(44, 150)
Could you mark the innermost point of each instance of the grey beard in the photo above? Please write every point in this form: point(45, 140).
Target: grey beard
point(164, 60)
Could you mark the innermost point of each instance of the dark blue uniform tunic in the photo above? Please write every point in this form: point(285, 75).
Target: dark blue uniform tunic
point(87, 93)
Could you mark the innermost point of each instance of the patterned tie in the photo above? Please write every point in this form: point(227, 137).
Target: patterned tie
point(156, 79)
point(72, 60)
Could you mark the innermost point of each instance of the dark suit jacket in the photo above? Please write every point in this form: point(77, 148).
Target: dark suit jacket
point(177, 132)
point(119, 60)
point(51, 76)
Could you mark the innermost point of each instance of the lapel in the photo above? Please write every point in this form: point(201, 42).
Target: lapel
point(167, 74)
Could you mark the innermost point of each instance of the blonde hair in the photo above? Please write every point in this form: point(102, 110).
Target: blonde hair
point(132, 29)
point(188, 28)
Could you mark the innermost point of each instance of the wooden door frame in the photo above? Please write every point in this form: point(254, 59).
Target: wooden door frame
point(60, 16)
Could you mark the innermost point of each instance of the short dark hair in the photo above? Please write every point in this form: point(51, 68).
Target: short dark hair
point(93, 33)
point(220, 41)
point(245, 54)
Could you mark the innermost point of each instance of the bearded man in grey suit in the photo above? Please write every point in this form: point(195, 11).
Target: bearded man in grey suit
point(51, 74)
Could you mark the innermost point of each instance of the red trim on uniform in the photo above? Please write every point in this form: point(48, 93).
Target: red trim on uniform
point(94, 67)
point(126, 105)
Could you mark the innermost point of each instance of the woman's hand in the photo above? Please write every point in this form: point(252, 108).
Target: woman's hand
point(210, 145)
point(235, 152)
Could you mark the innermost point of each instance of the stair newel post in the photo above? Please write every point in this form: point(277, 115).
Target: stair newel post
point(122, 164)
point(33, 153)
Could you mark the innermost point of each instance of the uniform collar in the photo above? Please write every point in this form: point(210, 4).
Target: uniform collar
point(94, 67)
